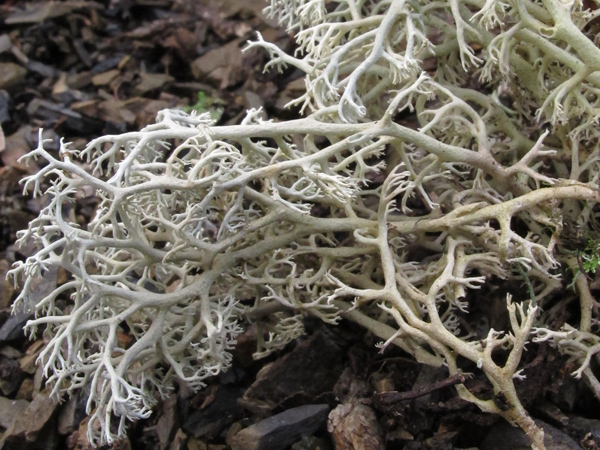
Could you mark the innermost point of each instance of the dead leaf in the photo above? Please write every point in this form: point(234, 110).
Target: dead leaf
point(184, 41)
point(37, 12)
point(230, 9)
point(144, 110)
point(222, 65)
point(32, 421)
point(16, 146)
point(104, 78)
point(7, 288)
point(112, 111)
point(5, 43)
point(151, 81)
point(60, 87)
point(27, 362)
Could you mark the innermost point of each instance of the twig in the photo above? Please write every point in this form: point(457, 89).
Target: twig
point(390, 397)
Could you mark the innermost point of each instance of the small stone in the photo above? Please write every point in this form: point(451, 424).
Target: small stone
point(354, 426)
point(568, 394)
point(503, 436)
point(219, 409)
point(580, 427)
point(29, 424)
point(552, 413)
point(11, 375)
point(10, 410)
point(11, 74)
point(309, 371)
point(282, 430)
point(13, 327)
point(71, 414)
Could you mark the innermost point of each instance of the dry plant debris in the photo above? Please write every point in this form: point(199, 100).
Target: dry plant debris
point(448, 149)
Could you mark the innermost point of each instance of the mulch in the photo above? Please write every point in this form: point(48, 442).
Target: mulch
point(82, 69)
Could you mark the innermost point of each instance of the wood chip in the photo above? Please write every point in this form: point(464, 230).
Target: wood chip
point(104, 78)
point(11, 74)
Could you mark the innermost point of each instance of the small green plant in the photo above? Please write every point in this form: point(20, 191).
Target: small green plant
point(405, 189)
point(206, 104)
point(199, 107)
point(585, 245)
point(590, 256)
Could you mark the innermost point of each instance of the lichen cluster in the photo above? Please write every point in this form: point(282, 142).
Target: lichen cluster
point(446, 145)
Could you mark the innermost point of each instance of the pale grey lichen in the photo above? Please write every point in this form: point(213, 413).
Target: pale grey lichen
point(200, 226)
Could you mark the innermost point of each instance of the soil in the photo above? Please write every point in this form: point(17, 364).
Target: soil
point(82, 69)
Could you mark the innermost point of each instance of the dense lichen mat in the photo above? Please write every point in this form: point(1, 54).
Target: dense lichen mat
point(446, 145)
